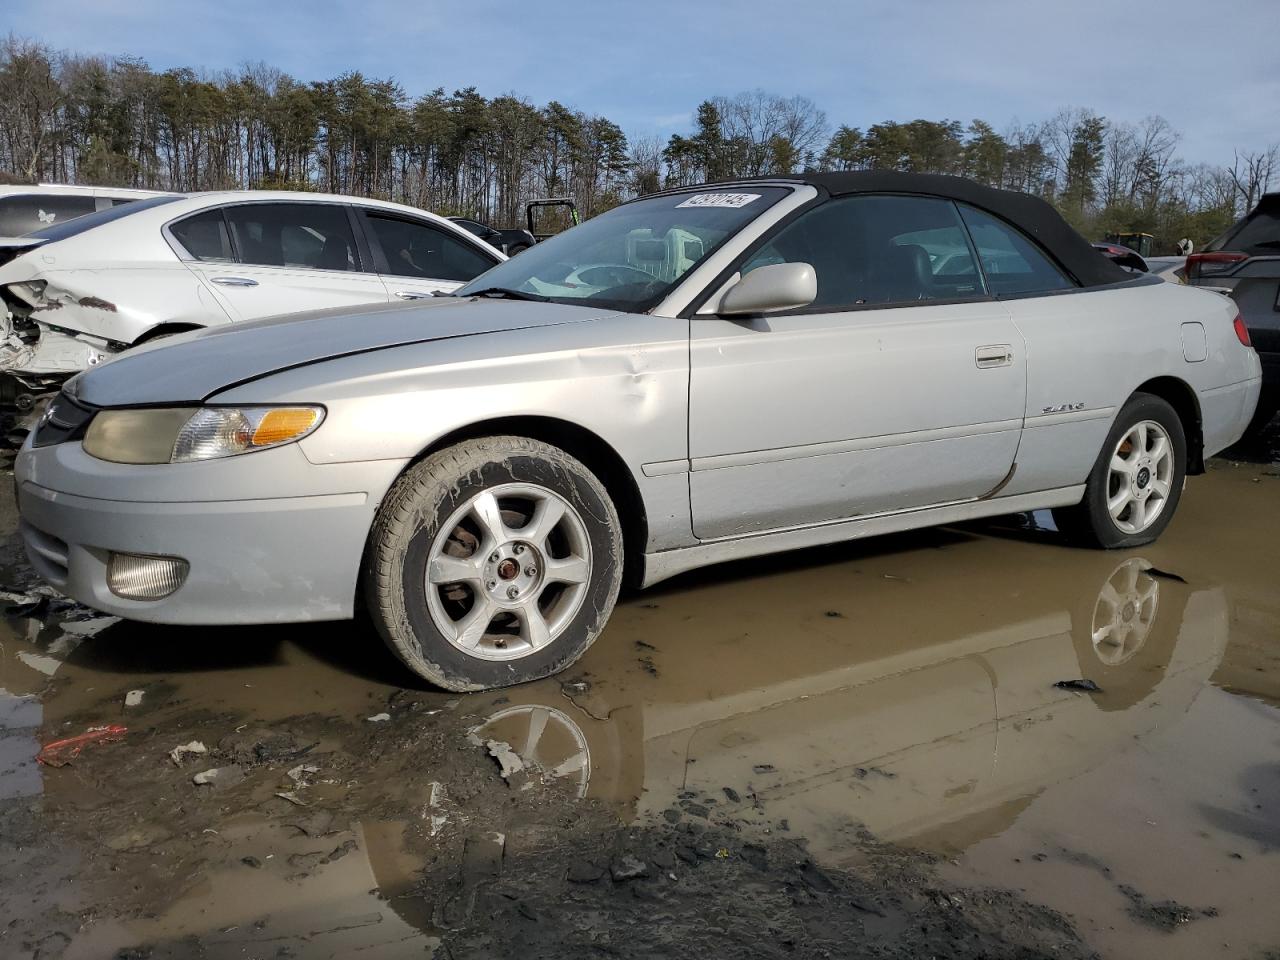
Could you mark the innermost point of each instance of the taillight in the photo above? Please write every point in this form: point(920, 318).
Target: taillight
point(1212, 264)
point(1242, 332)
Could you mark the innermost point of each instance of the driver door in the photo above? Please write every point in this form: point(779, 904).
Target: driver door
point(902, 386)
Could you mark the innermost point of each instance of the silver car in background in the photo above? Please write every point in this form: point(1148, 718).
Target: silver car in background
point(709, 373)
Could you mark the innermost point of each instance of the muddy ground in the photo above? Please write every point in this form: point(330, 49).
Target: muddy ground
point(858, 752)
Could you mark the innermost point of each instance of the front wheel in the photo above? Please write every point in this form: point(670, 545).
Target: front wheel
point(1136, 483)
point(493, 562)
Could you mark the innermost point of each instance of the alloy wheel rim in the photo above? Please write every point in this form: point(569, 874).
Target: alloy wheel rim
point(508, 571)
point(1140, 477)
point(1125, 612)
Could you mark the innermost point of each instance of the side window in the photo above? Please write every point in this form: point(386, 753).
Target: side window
point(316, 236)
point(24, 213)
point(204, 236)
point(420, 250)
point(1011, 262)
point(880, 249)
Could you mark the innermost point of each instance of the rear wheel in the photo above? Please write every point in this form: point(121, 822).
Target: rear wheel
point(1134, 487)
point(493, 562)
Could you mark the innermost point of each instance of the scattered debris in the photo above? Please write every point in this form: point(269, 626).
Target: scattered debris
point(763, 768)
point(180, 751)
point(24, 604)
point(1086, 686)
point(59, 753)
point(299, 773)
point(731, 794)
point(205, 777)
point(1165, 915)
point(133, 698)
point(38, 661)
point(264, 746)
point(1164, 574)
point(627, 868)
point(575, 687)
point(251, 862)
point(292, 798)
point(90, 627)
point(379, 718)
point(509, 762)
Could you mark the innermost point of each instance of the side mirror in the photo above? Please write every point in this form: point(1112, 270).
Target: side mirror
point(777, 286)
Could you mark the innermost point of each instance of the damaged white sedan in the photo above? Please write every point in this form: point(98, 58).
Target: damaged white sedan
point(73, 294)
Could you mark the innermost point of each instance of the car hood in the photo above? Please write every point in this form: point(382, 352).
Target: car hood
point(191, 367)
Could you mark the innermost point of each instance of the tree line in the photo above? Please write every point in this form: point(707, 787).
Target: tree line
point(115, 121)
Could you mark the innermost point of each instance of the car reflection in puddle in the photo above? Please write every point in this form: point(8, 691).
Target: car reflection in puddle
point(920, 703)
point(905, 685)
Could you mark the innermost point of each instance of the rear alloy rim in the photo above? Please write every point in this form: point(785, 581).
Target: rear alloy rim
point(1125, 612)
point(508, 571)
point(1140, 477)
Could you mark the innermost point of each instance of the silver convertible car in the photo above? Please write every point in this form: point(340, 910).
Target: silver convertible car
point(699, 375)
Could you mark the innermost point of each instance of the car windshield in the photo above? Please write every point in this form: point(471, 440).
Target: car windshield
point(632, 256)
point(70, 228)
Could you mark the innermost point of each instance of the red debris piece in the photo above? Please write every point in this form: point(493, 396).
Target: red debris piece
point(61, 752)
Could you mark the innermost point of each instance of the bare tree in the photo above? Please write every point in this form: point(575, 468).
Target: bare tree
point(1251, 173)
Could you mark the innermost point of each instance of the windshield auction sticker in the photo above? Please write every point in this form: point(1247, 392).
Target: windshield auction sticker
point(731, 200)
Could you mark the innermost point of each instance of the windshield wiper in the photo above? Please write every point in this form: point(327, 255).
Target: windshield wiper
point(1267, 243)
point(505, 293)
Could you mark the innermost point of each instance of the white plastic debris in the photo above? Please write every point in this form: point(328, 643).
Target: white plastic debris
point(379, 718)
point(38, 661)
point(299, 773)
point(178, 752)
point(90, 627)
point(206, 776)
point(133, 698)
point(509, 762)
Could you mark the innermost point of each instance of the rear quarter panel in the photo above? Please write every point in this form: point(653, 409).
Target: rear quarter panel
point(1087, 352)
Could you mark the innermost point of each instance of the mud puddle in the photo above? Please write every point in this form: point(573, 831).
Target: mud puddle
point(860, 751)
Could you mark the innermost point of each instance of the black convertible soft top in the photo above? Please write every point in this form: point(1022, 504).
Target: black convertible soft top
point(1031, 215)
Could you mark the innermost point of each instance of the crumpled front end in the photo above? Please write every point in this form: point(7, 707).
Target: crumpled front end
point(37, 353)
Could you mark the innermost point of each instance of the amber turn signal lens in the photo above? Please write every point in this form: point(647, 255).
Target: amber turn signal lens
point(282, 424)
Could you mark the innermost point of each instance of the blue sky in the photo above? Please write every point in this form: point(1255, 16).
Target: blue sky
point(1214, 74)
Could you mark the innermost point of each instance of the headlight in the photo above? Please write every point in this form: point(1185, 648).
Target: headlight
point(183, 434)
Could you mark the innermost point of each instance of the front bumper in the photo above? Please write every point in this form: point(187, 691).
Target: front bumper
point(253, 559)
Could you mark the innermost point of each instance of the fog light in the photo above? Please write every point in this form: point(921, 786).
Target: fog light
point(137, 577)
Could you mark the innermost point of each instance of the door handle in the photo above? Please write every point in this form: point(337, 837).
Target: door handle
point(233, 281)
point(412, 295)
point(995, 355)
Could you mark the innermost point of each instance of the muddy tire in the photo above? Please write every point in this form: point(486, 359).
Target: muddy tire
point(493, 562)
point(1135, 484)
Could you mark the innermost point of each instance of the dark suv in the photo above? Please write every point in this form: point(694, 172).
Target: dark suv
point(1245, 261)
